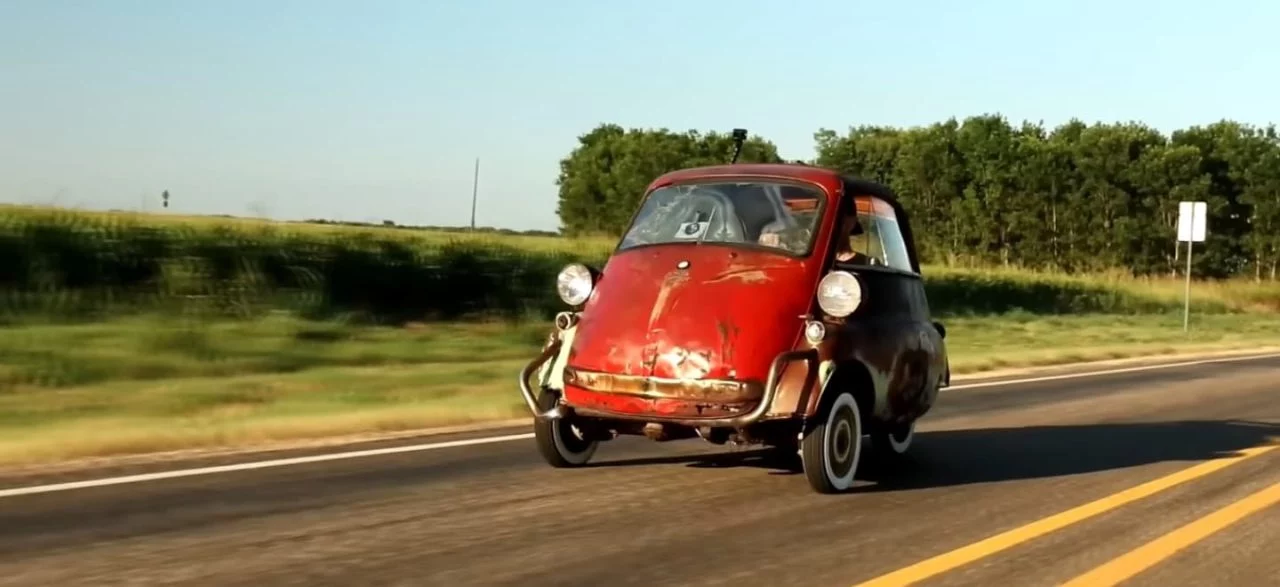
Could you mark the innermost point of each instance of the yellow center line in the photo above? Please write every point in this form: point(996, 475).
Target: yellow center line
point(1005, 540)
point(1161, 548)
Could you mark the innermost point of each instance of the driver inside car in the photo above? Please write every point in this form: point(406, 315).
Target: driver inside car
point(844, 246)
point(777, 235)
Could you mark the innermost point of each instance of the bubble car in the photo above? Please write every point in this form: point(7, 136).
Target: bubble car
point(762, 304)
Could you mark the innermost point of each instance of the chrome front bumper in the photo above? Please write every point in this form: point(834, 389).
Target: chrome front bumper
point(766, 399)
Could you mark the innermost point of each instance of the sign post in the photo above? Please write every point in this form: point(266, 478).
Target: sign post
point(1191, 229)
point(475, 185)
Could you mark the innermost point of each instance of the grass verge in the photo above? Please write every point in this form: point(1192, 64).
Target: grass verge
point(142, 385)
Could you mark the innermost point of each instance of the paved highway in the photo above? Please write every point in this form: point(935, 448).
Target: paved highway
point(1152, 477)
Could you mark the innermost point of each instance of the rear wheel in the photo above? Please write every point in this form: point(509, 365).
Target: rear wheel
point(832, 449)
point(560, 442)
point(891, 441)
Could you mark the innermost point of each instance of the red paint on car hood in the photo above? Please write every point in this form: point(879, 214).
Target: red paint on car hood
point(726, 316)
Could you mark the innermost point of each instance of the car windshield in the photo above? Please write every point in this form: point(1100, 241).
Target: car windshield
point(778, 216)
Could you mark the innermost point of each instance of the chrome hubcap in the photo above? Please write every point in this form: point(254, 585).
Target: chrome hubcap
point(841, 441)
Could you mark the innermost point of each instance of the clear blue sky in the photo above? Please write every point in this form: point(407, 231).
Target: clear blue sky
point(373, 110)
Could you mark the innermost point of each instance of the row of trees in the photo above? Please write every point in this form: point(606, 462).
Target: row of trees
point(1077, 197)
point(602, 180)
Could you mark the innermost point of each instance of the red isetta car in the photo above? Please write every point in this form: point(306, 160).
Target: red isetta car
point(773, 304)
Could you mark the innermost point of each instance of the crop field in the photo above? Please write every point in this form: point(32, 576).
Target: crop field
point(132, 332)
point(58, 262)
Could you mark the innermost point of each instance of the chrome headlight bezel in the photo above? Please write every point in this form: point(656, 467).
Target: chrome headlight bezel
point(839, 294)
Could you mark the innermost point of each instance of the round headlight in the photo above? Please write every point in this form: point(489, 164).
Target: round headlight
point(839, 294)
point(574, 284)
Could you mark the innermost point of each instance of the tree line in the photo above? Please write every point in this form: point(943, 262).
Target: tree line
point(1077, 197)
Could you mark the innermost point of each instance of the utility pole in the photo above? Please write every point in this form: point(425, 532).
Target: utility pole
point(475, 183)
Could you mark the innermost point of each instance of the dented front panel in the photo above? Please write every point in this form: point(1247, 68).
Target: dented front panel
point(688, 312)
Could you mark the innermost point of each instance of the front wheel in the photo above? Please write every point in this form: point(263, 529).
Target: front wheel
point(560, 442)
point(831, 450)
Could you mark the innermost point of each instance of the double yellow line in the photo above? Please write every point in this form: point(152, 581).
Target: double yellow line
point(1121, 568)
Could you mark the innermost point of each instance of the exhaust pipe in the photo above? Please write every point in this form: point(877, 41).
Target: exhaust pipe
point(530, 400)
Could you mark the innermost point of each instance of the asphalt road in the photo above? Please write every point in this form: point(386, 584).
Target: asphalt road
point(988, 460)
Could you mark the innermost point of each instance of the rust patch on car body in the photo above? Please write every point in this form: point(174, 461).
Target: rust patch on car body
point(908, 384)
point(747, 273)
point(743, 275)
point(871, 345)
point(728, 336)
point(670, 282)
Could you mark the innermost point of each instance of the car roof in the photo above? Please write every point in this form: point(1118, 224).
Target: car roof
point(820, 175)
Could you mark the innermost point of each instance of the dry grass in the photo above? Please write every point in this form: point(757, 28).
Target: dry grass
point(425, 376)
point(1237, 294)
point(976, 345)
point(129, 417)
point(600, 245)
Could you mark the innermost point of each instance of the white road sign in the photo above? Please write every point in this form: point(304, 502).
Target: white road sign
point(1191, 221)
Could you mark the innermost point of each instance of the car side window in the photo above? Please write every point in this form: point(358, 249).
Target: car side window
point(894, 246)
point(865, 242)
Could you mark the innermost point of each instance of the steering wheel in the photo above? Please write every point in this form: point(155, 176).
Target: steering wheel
point(724, 221)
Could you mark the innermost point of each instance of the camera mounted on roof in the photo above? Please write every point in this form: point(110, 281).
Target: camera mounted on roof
point(739, 137)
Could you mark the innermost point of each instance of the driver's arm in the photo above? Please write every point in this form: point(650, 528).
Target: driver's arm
point(792, 239)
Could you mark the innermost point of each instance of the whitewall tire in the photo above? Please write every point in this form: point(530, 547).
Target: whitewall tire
point(891, 441)
point(560, 443)
point(832, 449)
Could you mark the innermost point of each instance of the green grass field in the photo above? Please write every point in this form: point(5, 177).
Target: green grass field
point(130, 333)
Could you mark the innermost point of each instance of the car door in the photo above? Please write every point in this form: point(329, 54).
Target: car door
point(913, 384)
point(894, 334)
